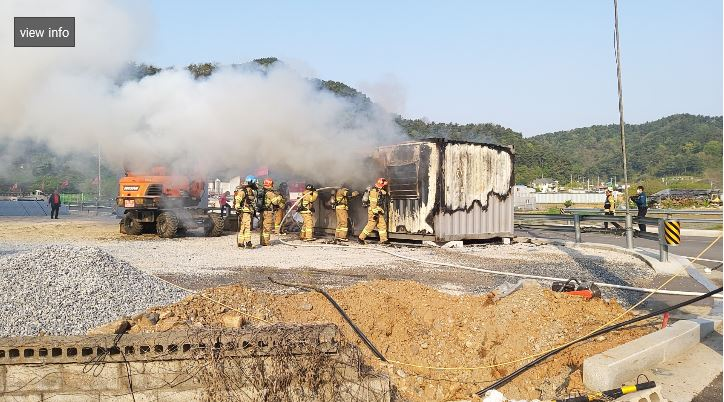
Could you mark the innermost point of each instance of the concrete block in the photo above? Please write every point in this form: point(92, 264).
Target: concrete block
point(68, 397)
point(2, 379)
point(188, 395)
point(161, 374)
point(21, 398)
point(623, 363)
point(19, 378)
point(138, 396)
point(648, 395)
point(375, 389)
point(106, 376)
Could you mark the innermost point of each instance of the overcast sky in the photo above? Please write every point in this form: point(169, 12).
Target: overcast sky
point(533, 66)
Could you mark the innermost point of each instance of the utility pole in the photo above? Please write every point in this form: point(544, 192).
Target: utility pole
point(617, 43)
point(98, 201)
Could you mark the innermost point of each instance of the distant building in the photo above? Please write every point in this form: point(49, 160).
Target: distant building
point(545, 185)
point(523, 197)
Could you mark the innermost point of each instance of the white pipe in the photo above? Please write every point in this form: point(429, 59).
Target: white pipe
point(488, 271)
point(700, 259)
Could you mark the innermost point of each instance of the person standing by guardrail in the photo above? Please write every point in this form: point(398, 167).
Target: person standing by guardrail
point(641, 205)
point(609, 205)
point(54, 201)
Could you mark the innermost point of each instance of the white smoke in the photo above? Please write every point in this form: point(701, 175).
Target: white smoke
point(388, 92)
point(231, 122)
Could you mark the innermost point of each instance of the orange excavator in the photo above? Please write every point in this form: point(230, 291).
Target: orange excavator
point(166, 204)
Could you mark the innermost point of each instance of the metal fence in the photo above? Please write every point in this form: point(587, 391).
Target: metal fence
point(573, 217)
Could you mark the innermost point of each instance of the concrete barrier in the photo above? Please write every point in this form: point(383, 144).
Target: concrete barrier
point(623, 363)
point(648, 395)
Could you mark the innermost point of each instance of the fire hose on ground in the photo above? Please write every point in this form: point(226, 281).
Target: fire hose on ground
point(493, 272)
point(526, 367)
point(340, 310)
point(602, 331)
point(482, 270)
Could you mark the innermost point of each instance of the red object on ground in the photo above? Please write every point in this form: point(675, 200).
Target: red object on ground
point(586, 294)
point(665, 322)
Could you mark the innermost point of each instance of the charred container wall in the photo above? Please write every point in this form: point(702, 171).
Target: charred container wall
point(439, 190)
point(449, 190)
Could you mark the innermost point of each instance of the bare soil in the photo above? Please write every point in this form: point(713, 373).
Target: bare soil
point(418, 325)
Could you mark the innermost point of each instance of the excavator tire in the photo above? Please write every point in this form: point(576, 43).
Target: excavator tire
point(131, 226)
point(215, 226)
point(166, 225)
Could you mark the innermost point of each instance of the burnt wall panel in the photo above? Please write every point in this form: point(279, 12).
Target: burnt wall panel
point(407, 213)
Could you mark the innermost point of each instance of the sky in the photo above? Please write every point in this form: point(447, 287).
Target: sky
point(532, 66)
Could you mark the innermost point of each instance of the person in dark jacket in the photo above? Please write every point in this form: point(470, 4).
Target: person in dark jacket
point(54, 202)
point(641, 205)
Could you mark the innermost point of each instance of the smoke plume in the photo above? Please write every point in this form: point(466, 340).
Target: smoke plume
point(229, 123)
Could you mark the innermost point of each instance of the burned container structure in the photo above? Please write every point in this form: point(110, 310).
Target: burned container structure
point(442, 190)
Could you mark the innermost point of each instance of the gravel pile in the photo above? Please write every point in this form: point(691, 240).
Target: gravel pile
point(67, 290)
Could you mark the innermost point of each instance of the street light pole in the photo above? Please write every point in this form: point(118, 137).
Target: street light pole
point(617, 43)
point(98, 200)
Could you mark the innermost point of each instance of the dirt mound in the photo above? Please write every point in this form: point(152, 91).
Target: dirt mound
point(415, 324)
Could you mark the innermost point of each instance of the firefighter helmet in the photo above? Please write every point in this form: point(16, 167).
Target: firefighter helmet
point(309, 187)
point(250, 180)
point(381, 182)
point(268, 183)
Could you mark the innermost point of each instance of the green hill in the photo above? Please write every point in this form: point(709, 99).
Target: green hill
point(680, 144)
point(677, 145)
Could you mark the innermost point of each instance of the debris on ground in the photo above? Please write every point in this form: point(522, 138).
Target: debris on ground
point(67, 290)
point(416, 324)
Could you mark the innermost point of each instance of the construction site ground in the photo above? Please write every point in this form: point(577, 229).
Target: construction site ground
point(418, 314)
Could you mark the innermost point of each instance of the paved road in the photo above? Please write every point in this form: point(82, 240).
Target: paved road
point(713, 391)
point(689, 247)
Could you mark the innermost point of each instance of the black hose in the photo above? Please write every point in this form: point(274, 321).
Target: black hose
point(610, 328)
point(344, 315)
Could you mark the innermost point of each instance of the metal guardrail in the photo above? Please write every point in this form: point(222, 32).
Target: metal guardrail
point(650, 211)
point(578, 215)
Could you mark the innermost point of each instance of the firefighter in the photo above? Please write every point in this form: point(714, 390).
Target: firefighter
point(340, 203)
point(305, 208)
point(272, 202)
point(609, 206)
point(279, 213)
point(245, 204)
point(375, 212)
